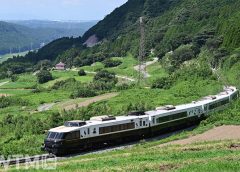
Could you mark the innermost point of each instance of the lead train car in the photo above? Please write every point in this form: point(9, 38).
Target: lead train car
point(76, 136)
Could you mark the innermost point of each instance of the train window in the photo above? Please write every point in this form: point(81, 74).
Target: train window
point(51, 135)
point(218, 104)
point(88, 131)
point(141, 123)
point(72, 135)
point(115, 128)
point(59, 136)
point(153, 120)
point(94, 131)
point(172, 117)
point(144, 123)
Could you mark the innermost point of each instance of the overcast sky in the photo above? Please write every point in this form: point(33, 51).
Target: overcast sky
point(57, 9)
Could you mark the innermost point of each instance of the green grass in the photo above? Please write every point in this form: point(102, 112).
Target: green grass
point(46, 97)
point(182, 92)
point(24, 81)
point(125, 69)
point(18, 85)
point(63, 75)
point(95, 67)
point(14, 92)
point(208, 156)
point(155, 71)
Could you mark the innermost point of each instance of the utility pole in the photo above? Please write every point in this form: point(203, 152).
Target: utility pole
point(142, 54)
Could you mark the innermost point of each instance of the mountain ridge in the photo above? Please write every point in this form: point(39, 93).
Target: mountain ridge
point(25, 35)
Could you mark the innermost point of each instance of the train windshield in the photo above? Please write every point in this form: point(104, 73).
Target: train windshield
point(54, 135)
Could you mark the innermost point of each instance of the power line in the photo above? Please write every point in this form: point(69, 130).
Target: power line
point(142, 54)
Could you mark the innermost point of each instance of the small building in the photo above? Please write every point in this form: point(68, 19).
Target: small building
point(60, 66)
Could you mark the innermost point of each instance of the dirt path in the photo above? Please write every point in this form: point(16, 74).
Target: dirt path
point(45, 107)
point(90, 101)
point(229, 132)
point(143, 67)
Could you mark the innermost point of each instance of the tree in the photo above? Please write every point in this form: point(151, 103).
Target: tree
point(81, 72)
point(105, 76)
point(111, 63)
point(163, 83)
point(44, 76)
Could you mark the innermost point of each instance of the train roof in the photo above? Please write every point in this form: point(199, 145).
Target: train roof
point(63, 129)
point(208, 99)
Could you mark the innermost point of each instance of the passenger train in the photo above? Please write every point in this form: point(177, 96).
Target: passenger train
point(76, 136)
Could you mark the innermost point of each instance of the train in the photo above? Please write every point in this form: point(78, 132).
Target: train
point(76, 136)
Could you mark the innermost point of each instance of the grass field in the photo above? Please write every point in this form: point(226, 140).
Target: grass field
point(63, 75)
point(155, 71)
point(125, 69)
point(210, 156)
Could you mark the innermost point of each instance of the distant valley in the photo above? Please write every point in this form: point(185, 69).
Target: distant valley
point(18, 36)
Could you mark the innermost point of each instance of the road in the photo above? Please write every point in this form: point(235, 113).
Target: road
point(45, 107)
point(143, 67)
point(90, 101)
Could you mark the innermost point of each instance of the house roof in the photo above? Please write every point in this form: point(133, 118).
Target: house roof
point(60, 64)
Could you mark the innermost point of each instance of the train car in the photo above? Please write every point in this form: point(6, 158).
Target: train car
point(170, 118)
point(221, 100)
point(76, 136)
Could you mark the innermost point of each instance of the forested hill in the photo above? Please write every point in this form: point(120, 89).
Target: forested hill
point(24, 35)
point(169, 24)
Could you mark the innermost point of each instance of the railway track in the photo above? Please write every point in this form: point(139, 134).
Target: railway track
point(49, 157)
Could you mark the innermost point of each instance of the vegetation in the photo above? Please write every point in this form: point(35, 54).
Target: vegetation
point(111, 63)
point(44, 76)
point(197, 57)
point(81, 72)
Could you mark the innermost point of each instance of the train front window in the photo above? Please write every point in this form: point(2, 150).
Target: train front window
point(51, 135)
point(59, 136)
point(54, 135)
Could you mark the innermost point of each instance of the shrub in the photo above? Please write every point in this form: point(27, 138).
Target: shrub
point(14, 78)
point(70, 83)
point(105, 76)
point(111, 63)
point(125, 86)
point(10, 101)
point(163, 83)
point(82, 93)
point(81, 72)
point(44, 76)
